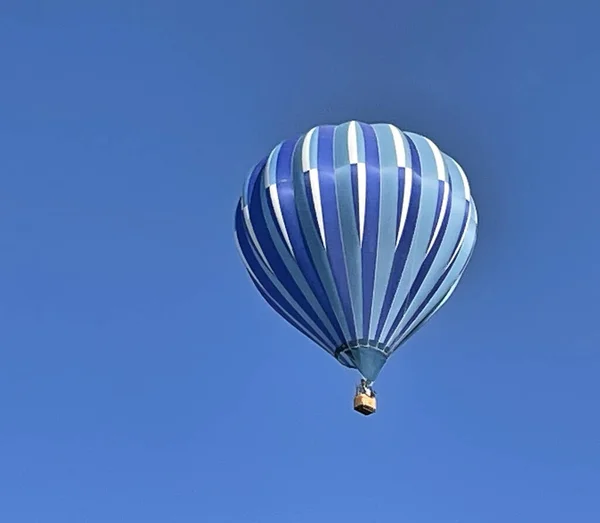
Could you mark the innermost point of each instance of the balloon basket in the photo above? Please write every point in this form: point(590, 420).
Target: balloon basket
point(365, 404)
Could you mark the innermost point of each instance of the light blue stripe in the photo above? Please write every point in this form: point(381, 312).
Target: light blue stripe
point(269, 281)
point(402, 251)
point(285, 165)
point(360, 140)
point(313, 149)
point(371, 226)
point(445, 244)
point(313, 240)
point(334, 247)
point(418, 248)
point(458, 187)
point(280, 271)
point(446, 282)
point(347, 219)
point(426, 157)
point(341, 155)
point(270, 172)
point(292, 266)
point(289, 318)
point(445, 290)
point(386, 242)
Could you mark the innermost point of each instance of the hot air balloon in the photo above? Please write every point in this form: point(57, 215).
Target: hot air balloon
point(356, 234)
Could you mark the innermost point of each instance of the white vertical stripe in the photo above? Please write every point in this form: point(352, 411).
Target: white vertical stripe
point(439, 160)
point(361, 170)
point(269, 168)
point(464, 180)
point(408, 174)
point(316, 194)
point(279, 215)
point(438, 225)
point(254, 238)
point(352, 143)
point(462, 239)
point(361, 175)
point(306, 150)
point(399, 146)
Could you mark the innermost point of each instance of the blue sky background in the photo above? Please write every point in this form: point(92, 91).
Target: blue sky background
point(142, 378)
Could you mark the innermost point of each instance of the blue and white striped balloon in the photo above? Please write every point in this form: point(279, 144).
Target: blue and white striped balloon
point(356, 234)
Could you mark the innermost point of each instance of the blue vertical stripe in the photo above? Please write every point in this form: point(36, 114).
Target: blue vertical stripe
point(267, 244)
point(310, 231)
point(263, 279)
point(371, 230)
point(388, 227)
point(348, 218)
point(329, 202)
point(285, 189)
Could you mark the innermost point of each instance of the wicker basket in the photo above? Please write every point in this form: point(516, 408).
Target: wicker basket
point(365, 404)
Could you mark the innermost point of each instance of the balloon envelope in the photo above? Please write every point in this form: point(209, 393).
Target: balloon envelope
point(356, 234)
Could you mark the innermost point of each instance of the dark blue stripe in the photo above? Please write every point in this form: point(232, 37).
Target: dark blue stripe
point(253, 178)
point(277, 264)
point(394, 343)
point(295, 318)
point(442, 277)
point(436, 287)
point(251, 258)
point(282, 174)
point(371, 231)
point(285, 190)
point(311, 205)
point(311, 235)
point(283, 167)
point(333, 236)
point(414, 156)
point(429, 259)
point(403, 250)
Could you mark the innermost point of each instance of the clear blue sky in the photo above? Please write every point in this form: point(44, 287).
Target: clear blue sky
point(143, 379)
